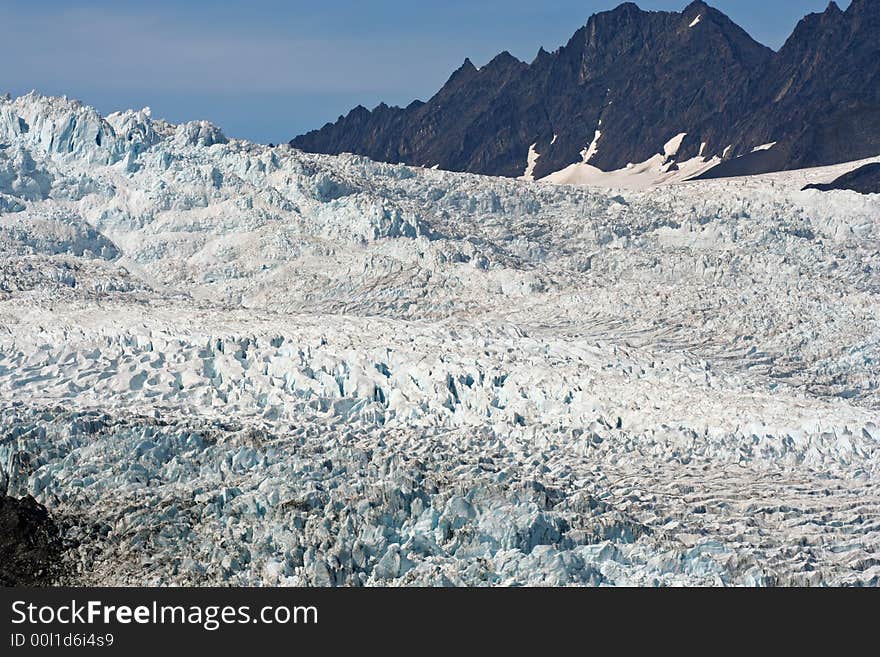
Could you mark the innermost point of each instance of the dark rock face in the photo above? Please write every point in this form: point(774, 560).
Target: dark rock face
point(647, 76)
point(819, 97)
point(30, 545)
point(864, 180)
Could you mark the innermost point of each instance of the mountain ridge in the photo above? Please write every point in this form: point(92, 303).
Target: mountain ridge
point(627, 82)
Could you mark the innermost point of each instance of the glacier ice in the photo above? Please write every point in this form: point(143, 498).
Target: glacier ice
point(222, 363)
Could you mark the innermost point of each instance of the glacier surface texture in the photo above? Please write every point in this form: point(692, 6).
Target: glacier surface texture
point(222, 363)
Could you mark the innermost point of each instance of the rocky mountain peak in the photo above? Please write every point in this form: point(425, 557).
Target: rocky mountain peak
point(638, 79)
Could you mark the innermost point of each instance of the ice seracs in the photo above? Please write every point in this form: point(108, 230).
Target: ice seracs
point(222, 363)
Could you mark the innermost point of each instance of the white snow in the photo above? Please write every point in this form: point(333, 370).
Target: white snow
point(259, 366)
point(673, 145)
point(764, 147)
point(590, 151)
point(696, 21)
point(533, 157)
point(654, 172)
point(661, 169)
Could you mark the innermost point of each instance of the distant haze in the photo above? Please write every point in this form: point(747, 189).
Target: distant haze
point(268, 70)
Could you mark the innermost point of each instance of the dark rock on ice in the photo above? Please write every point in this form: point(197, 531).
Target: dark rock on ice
point(30, 543)
point(864, 180)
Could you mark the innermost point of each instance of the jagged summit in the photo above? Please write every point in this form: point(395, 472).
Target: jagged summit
point(645, 77)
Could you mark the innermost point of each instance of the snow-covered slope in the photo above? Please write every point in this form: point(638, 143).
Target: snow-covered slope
point(224, 363)
point(661, 169)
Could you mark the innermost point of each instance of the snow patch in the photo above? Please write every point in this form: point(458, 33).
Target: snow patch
point(533, 158)
point(671, 148)
point(764, 147)
point(590, 151)
point(661, 169)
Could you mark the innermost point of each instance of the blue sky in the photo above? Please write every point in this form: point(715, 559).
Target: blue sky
point(268, 70)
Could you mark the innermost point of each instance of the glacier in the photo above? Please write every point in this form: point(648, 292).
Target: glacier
point(229, 364)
